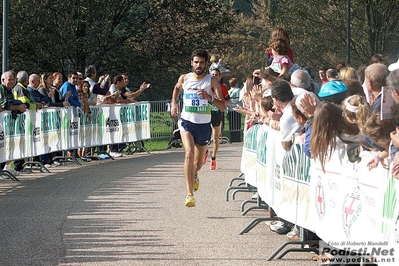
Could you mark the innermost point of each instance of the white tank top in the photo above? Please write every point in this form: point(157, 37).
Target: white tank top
point(195, 108)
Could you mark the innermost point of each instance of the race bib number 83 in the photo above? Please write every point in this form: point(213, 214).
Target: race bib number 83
point(195, 104)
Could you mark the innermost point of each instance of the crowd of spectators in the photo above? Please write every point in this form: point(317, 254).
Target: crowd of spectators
point(344, 105)
point(20, 92)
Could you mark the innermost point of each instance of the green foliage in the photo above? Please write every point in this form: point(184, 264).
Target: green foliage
point(151, 40)
point(156, 144)
point(318, 29)
point(318, 32)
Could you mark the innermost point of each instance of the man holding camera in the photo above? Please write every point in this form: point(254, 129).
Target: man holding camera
point(96, 88)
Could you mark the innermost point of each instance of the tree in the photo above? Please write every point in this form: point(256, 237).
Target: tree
point(151, 40)
point(173, 30)
point(318, 32)
point(319, 29)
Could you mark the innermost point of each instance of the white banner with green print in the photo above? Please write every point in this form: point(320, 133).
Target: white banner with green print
point(54, 129)
point(346, 205)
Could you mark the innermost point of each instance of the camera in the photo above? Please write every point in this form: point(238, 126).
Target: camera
point(256, 80)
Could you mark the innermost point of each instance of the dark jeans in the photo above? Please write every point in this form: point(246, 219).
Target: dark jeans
point(18, 164)
point(117, 147)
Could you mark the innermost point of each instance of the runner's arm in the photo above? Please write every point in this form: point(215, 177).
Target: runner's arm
point(174, 110)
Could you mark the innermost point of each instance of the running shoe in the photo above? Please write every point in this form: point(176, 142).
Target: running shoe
point(205, 157)
point(190, 201)
point(213, 164)
point(196, 182)
point(293, 234)
point(115, 154)
point(85, 159)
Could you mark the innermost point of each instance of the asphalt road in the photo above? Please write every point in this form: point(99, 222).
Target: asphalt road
point(131, 212)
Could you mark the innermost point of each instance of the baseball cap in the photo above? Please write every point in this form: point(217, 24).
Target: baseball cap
point(334, 91)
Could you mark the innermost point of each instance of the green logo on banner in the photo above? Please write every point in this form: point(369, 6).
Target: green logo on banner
point(84, 119)
point(251, 138)
point(51, 121)
point(390, 200)
point(14, 127)
point(142, 112)
point(131, 114)
point(127, 114)
point(262, 148)
point(296, 164)
point(65, 123)
point(94, 116)
point(101, 123)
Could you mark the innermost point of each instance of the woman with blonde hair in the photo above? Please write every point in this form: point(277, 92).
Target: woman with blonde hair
point(356, 110)
point(348, 72)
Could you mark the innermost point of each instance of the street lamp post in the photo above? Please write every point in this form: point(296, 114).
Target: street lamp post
point(5, 36)
point(348, 37)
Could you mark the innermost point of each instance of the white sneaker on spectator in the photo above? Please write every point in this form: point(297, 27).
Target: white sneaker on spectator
point(115, 154)
point(268, 223)
point(55, 164)
point(294, 232)
point(47, 165)
point(275, 225)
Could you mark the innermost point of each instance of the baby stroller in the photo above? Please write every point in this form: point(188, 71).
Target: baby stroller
point(175, 140)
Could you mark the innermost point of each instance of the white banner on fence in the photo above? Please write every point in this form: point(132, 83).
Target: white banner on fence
point(347, 205)
point(54, 129)
point(248, 161)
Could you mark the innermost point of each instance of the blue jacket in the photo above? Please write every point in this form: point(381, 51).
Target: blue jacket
point(73, 99)
point(308, 136)
point(37, 97)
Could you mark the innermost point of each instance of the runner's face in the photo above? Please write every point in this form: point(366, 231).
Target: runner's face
point(198, 64)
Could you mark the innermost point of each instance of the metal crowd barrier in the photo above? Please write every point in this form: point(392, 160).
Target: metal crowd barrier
point(163, 125)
